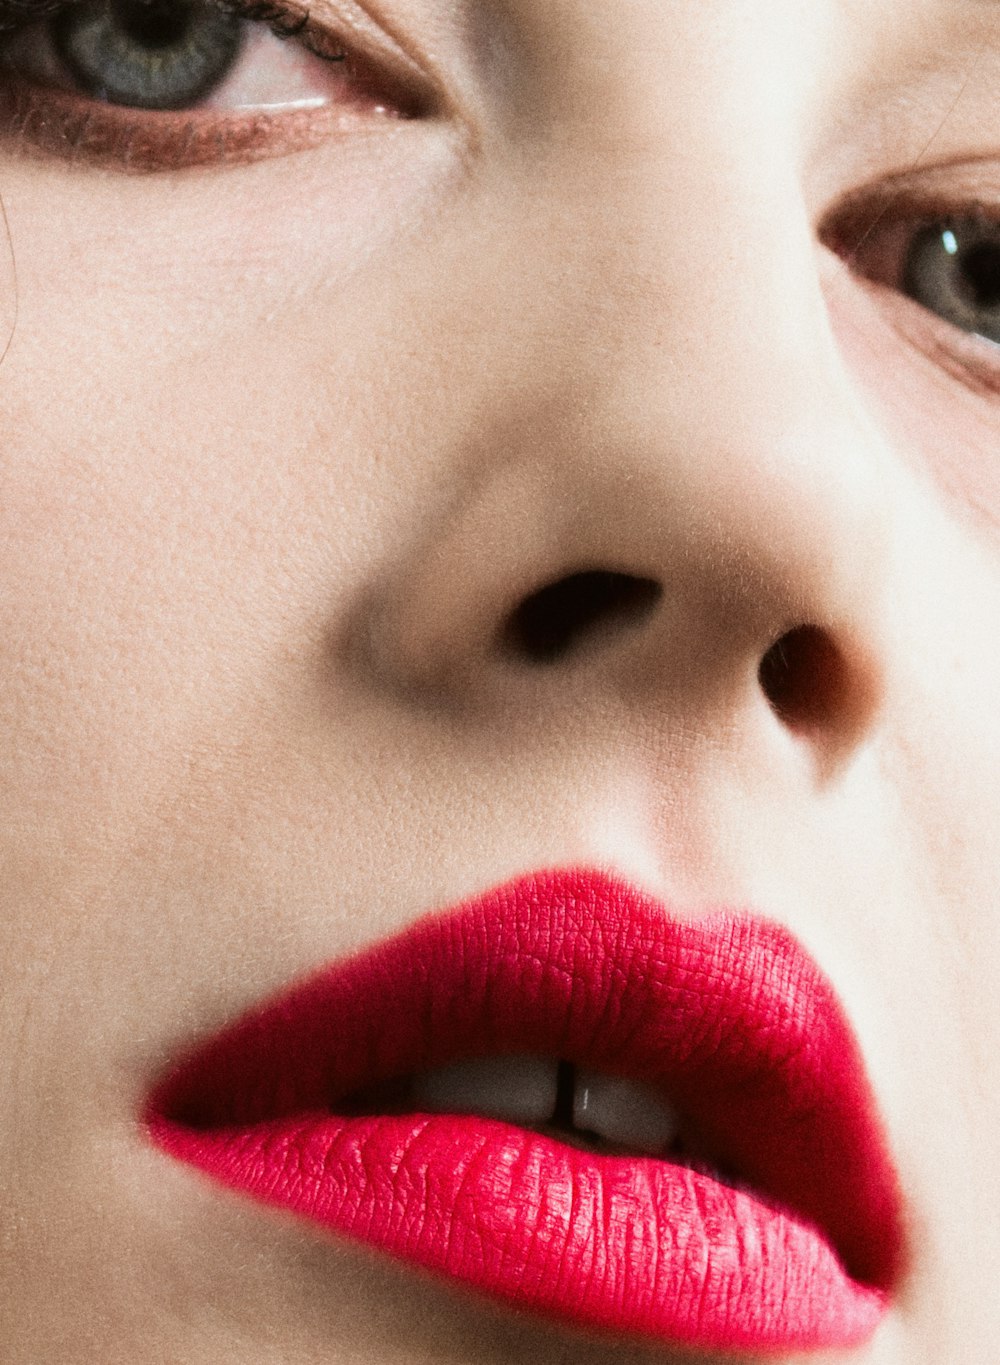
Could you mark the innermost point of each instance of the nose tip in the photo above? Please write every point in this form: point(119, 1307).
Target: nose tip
point(806, 677)
point(696, 602)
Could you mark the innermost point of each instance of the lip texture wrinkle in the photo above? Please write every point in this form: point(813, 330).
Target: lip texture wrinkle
point(727, 1015)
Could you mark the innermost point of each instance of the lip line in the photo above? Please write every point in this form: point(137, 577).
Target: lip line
point(785, 1042)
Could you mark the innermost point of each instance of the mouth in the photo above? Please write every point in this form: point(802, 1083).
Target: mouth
point(562, 1097)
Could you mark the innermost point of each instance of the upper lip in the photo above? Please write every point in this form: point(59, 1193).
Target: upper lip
point(727, 1014)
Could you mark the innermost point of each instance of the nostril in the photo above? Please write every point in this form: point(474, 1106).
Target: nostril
point(804, 677)
point(552, 622)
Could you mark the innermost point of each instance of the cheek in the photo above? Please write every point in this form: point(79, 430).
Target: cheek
point(156, 524)
point(940, 752)
point(117, 271)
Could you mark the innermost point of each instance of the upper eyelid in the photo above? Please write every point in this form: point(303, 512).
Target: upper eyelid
point(859, 220)
point(935, 190)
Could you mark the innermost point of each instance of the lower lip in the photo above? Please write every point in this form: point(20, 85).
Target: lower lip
point(626, 1245)
point(631, 1245)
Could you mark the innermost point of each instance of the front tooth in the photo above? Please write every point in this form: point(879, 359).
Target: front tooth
point(624, 1113)
point(518, 1089)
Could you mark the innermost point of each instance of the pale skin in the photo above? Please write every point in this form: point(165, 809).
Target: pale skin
point(287, 439)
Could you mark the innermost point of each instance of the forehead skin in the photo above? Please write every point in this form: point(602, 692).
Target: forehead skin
point(285, 446)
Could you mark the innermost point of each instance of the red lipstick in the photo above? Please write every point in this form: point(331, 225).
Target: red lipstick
point(797, 1246)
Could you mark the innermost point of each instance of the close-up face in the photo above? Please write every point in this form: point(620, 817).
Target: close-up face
point(500, 561)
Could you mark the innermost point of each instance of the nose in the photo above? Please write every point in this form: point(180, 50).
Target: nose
point(671, 497)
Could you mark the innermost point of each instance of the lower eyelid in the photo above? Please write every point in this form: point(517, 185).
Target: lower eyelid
point(954, 355)
point(52, 123)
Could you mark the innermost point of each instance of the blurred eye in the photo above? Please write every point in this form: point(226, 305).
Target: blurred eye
point(952, 268)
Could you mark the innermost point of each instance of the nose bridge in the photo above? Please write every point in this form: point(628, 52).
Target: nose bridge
point(671, 156)
point(695, 257)
point(693, 392)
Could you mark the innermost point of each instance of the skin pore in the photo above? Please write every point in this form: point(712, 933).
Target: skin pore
point(300, 407)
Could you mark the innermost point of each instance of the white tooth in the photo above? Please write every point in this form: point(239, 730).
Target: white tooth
point(624, 1113)
point(518, 1089)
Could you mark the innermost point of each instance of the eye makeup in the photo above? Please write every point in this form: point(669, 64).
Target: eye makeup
point(362, 93)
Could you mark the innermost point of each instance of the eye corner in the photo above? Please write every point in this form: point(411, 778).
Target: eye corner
point(852, 220)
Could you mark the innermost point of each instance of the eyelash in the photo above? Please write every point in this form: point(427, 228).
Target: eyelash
point(284, 22)
point(73, 127)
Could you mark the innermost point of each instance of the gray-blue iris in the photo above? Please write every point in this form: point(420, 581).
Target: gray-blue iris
point(953, 268)
point(149, 54)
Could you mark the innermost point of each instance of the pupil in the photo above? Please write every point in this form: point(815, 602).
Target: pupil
point(153, 23)
point(980, 266)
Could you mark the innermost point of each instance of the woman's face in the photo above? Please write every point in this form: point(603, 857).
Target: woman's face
point(300, 410)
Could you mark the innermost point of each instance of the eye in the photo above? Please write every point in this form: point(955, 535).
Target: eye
point(949, 263)
point(953, 269)
point(147, 54)
point(169, 54)
point(151, 84)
